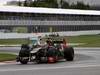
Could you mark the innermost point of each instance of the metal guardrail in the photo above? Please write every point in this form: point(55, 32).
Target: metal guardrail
point(29, 35)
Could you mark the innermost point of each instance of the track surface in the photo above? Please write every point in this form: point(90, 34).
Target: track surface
point(86, 62)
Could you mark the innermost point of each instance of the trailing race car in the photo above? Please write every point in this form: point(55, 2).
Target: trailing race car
point(49, 53)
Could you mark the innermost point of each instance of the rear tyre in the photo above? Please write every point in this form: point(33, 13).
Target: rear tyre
point(24, 54)
point(69, 54)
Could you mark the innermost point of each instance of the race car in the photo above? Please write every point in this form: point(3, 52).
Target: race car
point(51, 52)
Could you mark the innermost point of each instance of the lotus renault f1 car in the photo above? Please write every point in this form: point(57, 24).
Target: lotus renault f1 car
point(49, 53)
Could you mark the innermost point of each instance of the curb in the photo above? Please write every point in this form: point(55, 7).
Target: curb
point(7, 62)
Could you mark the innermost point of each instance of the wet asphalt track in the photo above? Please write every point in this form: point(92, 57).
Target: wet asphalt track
point(86, 62)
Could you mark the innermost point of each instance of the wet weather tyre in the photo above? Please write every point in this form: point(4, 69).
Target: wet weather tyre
point(69, 54)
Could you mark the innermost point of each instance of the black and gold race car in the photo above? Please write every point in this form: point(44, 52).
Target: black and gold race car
point(48, 53)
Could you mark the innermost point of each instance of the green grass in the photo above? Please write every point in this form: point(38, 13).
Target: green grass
point(7, 57)
point(13, 41)
point(88, 40)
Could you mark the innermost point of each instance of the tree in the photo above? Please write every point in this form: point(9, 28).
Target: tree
point(79, 5)
point(25, 3)
point(19, 3)
point(73, 6)
point(65, 4)
point(45, 3)
point(54, 4)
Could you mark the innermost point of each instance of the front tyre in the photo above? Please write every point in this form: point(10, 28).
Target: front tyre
point(24, 60)
point(69, 54)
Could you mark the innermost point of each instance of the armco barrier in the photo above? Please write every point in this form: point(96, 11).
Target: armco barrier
point(28, 35)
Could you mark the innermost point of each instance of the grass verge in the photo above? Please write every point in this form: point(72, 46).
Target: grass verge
point(13, 41)
point(7, 57)
point(88, 40)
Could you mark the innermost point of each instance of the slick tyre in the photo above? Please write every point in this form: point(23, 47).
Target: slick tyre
point(69, 54)
point(24, 61)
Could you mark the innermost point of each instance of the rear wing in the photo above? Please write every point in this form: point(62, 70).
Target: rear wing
point(57, 42)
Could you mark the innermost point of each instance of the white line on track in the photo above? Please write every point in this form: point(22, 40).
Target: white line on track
point(49, 68)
